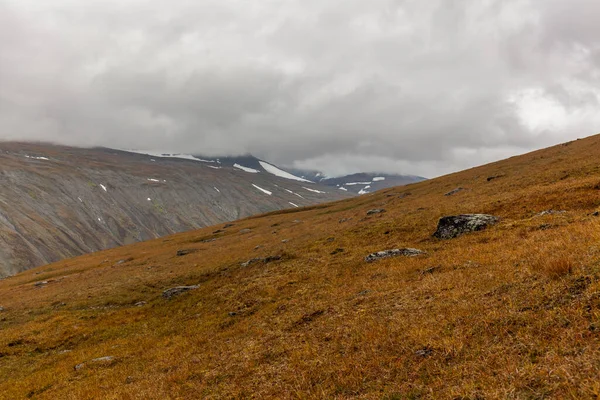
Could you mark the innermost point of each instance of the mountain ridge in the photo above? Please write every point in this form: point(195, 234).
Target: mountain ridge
point(60, 201)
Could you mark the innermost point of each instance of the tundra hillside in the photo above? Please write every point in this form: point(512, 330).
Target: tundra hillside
point(284, 305)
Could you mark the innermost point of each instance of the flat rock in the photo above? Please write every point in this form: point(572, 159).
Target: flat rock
point(265, 260)
point(455, 225)
point(176, 291)
point(251, 261)
point(454, 191)
point(550, 212)
point(107, 360)
point(376, 211)
point(406, 252)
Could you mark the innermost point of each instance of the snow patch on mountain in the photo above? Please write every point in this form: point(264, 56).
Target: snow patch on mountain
point(247, 169)
point(278, 172)
point(312, 190)
point(262, 190)
point(379, 179)
point(357, 183)
point(295, 205)
point(103, 187)
point(364, 190)
point(37, 158)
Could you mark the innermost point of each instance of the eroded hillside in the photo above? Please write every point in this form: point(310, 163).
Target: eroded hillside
point(284, 305)
point(58, 202)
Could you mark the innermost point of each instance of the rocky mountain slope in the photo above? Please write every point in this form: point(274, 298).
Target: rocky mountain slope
point(58, 202)
point(351, 299)
point(360, 183)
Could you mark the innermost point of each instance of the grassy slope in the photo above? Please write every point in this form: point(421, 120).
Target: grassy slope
point(511, 312)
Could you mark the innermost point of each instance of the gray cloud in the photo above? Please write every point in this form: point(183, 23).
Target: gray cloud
point(389, 85)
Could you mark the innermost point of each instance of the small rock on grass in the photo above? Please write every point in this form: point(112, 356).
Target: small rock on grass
point(107, 360)
point(376, 211)
point(407, 252)
point(176, 291)
point(454, 191)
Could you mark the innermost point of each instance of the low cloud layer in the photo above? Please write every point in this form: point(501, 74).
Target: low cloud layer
point(402, 86)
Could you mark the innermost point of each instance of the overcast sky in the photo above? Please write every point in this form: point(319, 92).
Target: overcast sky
point(409, 86)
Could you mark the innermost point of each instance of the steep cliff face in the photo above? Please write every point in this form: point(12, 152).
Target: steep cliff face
point(58, 202)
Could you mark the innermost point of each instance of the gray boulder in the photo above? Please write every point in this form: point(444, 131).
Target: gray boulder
point(407, 252)
point(455, 225)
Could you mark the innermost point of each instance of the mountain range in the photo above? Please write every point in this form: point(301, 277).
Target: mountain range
point(60, 201)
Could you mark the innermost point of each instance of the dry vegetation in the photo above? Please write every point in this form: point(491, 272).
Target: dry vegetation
point(509, 312)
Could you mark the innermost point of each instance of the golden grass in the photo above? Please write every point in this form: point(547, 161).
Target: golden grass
point(509, 312)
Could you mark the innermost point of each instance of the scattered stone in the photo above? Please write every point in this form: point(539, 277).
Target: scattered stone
point(341, 221)
point(176, 291)
point(424, 352)
point(376, 211)
point(129, 380)
point(596, 214)
point(265, 260)
point(296, 221)
point(330, 239)
point(250, 262)
point(403, 195)
point(363, 293)
point(454, 191)
point(407, 252)
point(208, 240)
point(41, 283)
point(232, 313)
point(184, 252)
point(455, 225)
point(550, 212)
point(140, 304)
point(337, 251)
point(101, 360)
point(228, 226)
point(1, 308)
point(491, 178)
point(218, 231)
point(257, 247)
point(246, 230)
point(431, 270)
point(271, 259)
point(285, 240)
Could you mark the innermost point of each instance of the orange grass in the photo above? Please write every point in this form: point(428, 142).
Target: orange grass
point(509, 312)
